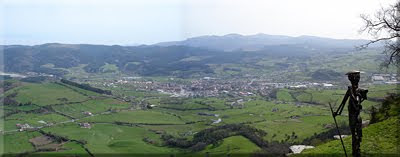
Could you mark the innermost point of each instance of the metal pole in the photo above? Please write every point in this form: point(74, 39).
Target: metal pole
point(337, 128)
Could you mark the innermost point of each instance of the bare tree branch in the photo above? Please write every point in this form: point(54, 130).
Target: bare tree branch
point(385, 27)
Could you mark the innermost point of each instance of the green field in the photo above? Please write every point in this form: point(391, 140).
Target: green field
point(235, 145)
point(46, 94)
point(109, 139)
point(109, 68)
point(18, 142)
point(68, 149)
point(32, 119)
point(129, 128)
point(94, 106)
point(284, 95)
point(140, 116)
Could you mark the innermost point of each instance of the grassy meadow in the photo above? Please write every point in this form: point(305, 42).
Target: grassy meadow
point(123, 127)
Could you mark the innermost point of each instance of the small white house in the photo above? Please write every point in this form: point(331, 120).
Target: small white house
point(85, 125)
point(88, 113)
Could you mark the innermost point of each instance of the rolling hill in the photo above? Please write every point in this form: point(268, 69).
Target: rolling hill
point(201, 56)
point(232, 42)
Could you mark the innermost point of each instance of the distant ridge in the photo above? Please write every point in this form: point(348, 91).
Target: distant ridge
point(194, 56)
point(232, 42)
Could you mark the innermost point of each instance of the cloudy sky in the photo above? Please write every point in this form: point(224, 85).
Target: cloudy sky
point(150, 21)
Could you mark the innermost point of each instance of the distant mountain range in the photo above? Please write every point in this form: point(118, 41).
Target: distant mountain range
point(194, 56)
point(234, 42)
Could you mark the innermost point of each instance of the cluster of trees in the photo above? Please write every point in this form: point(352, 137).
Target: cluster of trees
point(54, 137)
point(10, 101)
point(200, 102)
point(86, 87)
point(273, 93)
point(213, 135)
point(326, 136)
point(61, 139)
point(217, 134)
point(6, 85)
point(231, 69)
point(390, 107)
point(37, 79)
point(325, 75)
point(75, 90)
point(291, 137)
point(177, 101)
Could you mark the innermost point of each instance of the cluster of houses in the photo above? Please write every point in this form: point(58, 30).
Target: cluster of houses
point(27, 127)
point(34, 74)
point(310, 85)
point(24, 127)
point(213, 87)
point(384, 79)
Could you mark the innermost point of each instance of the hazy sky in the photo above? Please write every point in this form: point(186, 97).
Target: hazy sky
point(151, 21)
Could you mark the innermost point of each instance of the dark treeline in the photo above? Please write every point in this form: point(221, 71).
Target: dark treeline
point(325, 75)
point(390, 107)
point(6, 85)
point(86, 87)
point(75, 90)
point(216, 134)
point(37, 79)
point(60, 139)
point(326, 136)
point(10, 101)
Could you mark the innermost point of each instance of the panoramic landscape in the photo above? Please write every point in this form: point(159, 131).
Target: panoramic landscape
point(230, 94)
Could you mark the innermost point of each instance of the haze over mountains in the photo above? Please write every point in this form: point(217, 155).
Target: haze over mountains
point(232, 42)
point(183, 58)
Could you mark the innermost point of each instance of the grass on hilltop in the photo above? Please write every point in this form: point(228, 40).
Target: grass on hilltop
point(46, 94)
point(32, 119)
point(113, 139)
point(94, 106)
point(234, 146)
point(18, 142)
point(378, 139)
point(139, 116)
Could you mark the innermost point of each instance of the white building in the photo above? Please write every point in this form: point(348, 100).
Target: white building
point(378, 79)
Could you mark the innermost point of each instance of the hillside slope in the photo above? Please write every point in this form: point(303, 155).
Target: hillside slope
point(378, 139)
